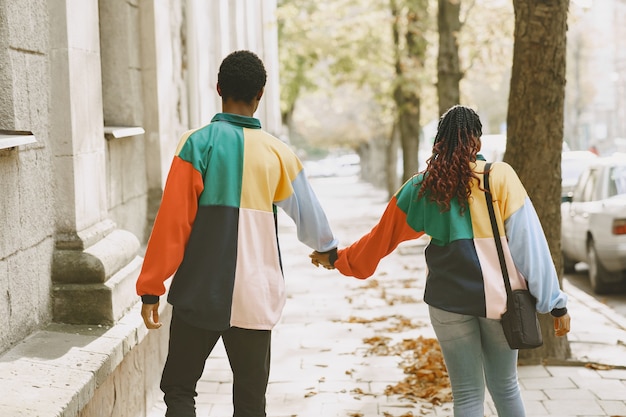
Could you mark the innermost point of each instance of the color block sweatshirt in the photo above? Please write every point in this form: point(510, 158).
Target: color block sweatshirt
point(464, 274)
point(216, 228)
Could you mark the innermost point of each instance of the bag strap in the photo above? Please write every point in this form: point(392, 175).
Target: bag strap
point(496, 232)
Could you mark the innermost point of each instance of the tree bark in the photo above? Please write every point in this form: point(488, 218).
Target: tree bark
point(535, 129)
point(410, 58)
point(409, 129)
point(448, 66)
point(393, 182)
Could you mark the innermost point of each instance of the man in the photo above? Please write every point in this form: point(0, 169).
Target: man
point(216, 231)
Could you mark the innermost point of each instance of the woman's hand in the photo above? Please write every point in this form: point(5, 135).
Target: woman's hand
point(561, 325)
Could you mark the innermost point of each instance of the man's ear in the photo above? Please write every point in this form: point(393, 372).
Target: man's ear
point(219, 90)
point(260, 94)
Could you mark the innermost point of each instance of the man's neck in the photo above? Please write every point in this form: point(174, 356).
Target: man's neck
point(239, 107)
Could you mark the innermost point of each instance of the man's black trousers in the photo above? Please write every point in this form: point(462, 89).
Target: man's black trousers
point(189, 347)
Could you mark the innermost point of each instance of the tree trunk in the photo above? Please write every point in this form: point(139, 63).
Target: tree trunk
point(392, 162)
point(410, 58)
point(408, 104)
point(448, 67)
point(287, 119)
point(535, 128)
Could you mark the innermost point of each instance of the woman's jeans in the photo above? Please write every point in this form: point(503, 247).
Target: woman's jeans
point(189, 347)
point(476, 352)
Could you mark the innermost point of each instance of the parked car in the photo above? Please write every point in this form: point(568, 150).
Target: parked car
point(573, 163)
point(593, 228)
point(336, 165)
point(493, 147)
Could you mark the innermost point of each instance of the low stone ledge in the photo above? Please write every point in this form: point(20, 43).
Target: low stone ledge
point(59, 371)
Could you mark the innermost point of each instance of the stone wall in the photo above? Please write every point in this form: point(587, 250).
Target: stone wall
point(26, 191)
point(102, 90)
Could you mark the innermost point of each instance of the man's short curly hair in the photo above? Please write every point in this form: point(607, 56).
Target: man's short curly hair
point(241, 76)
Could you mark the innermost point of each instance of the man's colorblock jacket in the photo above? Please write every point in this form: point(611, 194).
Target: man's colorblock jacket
point(464, 274)
point(216, 228)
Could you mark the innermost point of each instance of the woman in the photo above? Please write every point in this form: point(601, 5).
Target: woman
point(464, 287)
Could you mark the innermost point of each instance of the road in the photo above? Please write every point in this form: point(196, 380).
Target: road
point(616, 300)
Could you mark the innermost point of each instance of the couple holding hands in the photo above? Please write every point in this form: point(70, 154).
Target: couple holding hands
point(216, 234)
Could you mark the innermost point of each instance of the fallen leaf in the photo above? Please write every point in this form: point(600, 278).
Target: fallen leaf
point(427, 376)
point(599, 366)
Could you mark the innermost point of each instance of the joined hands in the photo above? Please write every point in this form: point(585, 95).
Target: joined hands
point(322, 259)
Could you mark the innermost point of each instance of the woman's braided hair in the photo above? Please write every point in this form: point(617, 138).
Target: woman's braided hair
point(449, 173)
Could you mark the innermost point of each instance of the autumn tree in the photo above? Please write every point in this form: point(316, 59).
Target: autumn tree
point(449, 72)
point(326, 46)
point(535, 127)
point(409, 35)
point(336, 66)
point(298, 53)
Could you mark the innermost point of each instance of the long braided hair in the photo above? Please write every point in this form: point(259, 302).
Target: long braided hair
point(448, 172)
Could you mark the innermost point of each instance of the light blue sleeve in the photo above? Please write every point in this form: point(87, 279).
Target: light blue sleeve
point(531, 255)
point(306, 211)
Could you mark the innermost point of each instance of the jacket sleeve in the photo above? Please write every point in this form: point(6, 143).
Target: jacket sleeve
point(171, 229)
point(296, 197)
point(361, 259)
point(528, 244)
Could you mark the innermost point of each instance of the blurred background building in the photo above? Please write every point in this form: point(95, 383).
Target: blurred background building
point(596, 82)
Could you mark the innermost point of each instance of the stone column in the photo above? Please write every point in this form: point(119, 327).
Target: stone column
point(158, 94)
point(269, 28)
point(95, 264)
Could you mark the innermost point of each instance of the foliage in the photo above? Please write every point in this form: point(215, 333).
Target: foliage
point(327, 44)
point(410, 27)
point(337, 65)
point(486, 53)
point(299, 49)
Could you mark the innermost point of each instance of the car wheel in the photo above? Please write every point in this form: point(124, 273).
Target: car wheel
point(597, 273)
point(569, 266)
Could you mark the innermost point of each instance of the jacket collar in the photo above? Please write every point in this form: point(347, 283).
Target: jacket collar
point(237, 119)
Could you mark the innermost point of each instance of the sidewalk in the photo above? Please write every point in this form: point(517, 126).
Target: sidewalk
point(323, 364)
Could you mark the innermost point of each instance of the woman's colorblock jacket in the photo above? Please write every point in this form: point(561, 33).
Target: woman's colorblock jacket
point(464, 274)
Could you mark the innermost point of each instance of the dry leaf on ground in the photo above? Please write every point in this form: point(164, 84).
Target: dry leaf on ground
point(427, 376)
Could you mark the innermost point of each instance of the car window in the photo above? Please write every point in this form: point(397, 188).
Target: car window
point(587, 191)
point(580, 186)
point(572, 165)
point(617, 181)
point(492, 147)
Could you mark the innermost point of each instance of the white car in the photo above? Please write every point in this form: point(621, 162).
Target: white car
point(593, 228)
point(492, 147)
point(573, 163)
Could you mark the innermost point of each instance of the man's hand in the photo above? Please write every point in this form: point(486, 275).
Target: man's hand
point(561, 325)
point(318, 259)
point(150, 315)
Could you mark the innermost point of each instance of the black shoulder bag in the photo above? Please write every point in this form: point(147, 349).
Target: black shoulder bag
point(519, 321)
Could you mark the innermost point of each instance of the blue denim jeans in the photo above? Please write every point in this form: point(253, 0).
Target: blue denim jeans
point(476, 353)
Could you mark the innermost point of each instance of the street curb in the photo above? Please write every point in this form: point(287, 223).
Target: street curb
point(595, 305)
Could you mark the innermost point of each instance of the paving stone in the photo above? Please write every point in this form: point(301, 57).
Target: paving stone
point(613, 408)
point(574, 407)
point(319, 357)
point(543, 383)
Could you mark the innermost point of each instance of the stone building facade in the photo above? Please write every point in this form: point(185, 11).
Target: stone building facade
point(94, 95)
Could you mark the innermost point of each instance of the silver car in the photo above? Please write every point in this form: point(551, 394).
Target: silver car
point(593, 228)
